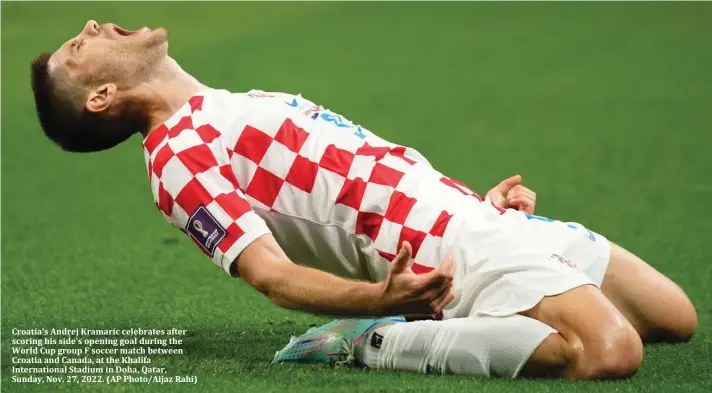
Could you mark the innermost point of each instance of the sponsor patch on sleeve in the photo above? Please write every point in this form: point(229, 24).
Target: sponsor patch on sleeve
point(204, 228)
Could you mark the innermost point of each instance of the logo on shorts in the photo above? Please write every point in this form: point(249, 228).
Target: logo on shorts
point(204, 228)
point(564, 261)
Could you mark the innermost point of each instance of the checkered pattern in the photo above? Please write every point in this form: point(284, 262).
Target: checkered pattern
point(188, 168)
point(272, 154)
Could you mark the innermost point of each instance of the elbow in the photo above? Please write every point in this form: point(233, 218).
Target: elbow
point(278, 301)
point(269, 275)
point(266, 288)
point(269, 288)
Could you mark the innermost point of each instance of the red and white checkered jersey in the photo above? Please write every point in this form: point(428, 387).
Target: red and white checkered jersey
point(228, 168)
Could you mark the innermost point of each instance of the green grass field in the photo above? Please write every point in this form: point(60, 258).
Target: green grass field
point(605, 109)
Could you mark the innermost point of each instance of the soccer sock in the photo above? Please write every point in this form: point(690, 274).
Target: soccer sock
point(367, 350)
point(480, 346)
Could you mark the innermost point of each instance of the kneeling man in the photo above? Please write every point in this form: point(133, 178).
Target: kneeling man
point(322, 215)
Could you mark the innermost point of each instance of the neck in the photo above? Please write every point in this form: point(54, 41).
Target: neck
point(168, 89)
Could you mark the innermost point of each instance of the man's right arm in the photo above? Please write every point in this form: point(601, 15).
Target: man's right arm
point(199, 194)
point(264, 266)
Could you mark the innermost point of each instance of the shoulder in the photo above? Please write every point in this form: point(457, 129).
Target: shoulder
point(223, 105)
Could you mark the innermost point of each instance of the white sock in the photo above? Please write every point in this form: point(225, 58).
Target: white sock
point(480, 346)
point(368, 349)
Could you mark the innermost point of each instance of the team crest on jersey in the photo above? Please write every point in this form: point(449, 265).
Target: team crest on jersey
point(564, 261)
point(205, 229)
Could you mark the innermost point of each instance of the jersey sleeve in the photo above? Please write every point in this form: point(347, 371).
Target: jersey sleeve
point(199, 193)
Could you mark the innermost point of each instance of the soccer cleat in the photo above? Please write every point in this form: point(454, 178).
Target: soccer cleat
point(331, 343)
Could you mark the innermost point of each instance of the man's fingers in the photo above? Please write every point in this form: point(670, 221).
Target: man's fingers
point(452, 268)
point(403, 259)
point(529, 193)
point(523, 200)
point(435, 280)
point(447, 263)
point(435, 286)
point(447, 284)
point(442, 277)
point(435, 297)
point(446, 269)
point(440, 299)
point(497, 198)
point(507, 184)
point(516, 191)
point(444, 300)
point(520, 190)
point(522, 203)
point(519, 200)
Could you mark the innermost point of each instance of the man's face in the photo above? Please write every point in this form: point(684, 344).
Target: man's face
point(109, 54)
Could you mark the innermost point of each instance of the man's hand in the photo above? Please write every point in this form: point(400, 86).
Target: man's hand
point(410, 294)
point(511, 194)
point(266, 268)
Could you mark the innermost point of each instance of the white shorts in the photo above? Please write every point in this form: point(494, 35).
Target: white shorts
point(507, 263)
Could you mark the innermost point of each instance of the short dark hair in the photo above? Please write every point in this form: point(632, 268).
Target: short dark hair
point(66, 121)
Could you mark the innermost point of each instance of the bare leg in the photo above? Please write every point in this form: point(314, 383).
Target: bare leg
point(599, 332)
point(595, 340)
point(657, 308)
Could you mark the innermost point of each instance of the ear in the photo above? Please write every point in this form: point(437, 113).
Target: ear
point(100, 98)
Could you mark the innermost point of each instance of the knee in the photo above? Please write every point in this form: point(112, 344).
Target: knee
point(681, 325)
point(688, 324)
point(616, 353)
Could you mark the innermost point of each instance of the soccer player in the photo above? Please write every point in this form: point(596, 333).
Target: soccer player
point(323, 216)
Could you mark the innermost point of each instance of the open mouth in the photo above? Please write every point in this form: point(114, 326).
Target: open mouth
point(124, 32)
